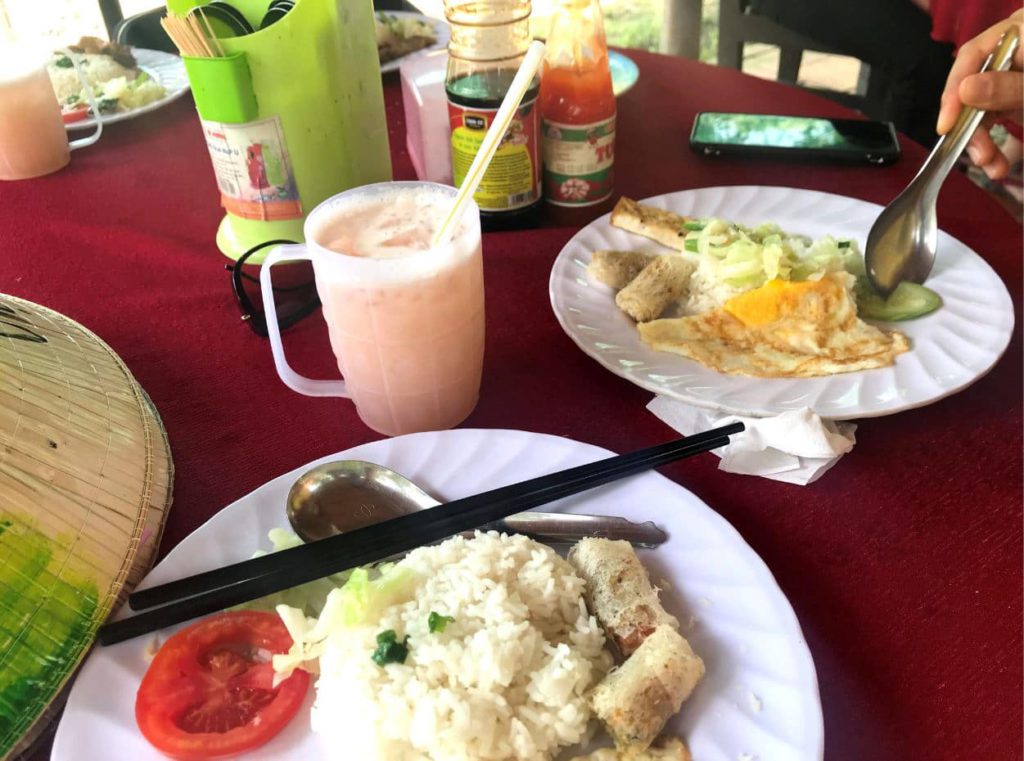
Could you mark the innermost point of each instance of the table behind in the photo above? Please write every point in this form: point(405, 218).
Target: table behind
point(902, 563)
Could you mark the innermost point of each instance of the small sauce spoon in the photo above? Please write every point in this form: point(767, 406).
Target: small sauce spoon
point(342, 496)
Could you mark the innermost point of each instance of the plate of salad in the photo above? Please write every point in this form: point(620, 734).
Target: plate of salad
point(125, 81)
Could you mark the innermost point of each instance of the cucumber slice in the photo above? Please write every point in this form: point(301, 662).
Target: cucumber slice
point(690, 244)
point(694, 224)
point(908, 301)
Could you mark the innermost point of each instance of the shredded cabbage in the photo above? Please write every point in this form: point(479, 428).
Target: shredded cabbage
point(309, 597)
point(747, 258)
point(358, 602)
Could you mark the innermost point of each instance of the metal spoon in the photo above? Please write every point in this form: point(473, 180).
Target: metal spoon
point(902, 242)
point(348, 494)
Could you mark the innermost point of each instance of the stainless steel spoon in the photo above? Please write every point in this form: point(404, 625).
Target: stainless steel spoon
point(902, 242)
point(342, 496)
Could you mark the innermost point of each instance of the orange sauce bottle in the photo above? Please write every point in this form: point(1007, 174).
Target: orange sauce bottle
point(577, 107)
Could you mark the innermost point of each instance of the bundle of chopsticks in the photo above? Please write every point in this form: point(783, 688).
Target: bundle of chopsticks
point(208, 592)
point(193, 35)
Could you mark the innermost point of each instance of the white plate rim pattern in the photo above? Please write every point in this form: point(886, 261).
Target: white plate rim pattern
point(929, 372)
point(166, 68)
point(759, 697)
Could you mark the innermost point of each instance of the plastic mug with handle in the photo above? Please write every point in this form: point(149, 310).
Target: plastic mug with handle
point(407, 331)
point(33, 138)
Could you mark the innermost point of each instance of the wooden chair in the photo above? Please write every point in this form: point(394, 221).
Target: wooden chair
point(738, 25)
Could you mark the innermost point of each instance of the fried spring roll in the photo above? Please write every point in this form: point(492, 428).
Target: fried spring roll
point(619, 592)
point(660, 283)
point(618, 268)
point(635, 700)
point(657, 224)
point(667, 749)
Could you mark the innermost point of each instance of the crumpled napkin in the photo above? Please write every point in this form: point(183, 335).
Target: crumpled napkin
point(797, 447)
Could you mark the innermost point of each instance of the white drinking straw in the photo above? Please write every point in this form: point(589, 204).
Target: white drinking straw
point(502, 119)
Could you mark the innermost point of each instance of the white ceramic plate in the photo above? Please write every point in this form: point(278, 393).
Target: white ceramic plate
point(166, 68)
point(441, 30)
point(760, 695)
point(951, 348)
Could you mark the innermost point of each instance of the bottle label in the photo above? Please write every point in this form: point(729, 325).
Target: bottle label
point(578, 160)
point(512, 180)
point(253, 169)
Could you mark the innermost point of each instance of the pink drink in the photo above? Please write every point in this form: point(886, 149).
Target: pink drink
point(33, 140)
point(406, 320)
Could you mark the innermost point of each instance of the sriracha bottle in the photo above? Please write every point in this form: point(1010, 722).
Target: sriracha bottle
point(577, 107)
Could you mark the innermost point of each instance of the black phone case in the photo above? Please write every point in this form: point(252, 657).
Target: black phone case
point(725, 150)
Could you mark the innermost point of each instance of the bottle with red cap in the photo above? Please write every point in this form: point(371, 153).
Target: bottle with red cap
point(577, 107)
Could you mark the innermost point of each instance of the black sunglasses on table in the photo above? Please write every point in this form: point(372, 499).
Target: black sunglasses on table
point(296, 299)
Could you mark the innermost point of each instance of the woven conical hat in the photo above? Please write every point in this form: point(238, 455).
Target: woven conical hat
point(85, 484)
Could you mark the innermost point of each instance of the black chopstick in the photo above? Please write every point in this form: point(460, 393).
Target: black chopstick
point(583, 474)
point(242, 582)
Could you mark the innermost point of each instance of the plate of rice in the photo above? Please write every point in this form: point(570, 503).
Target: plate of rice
point(401, 34)
point(503, 656)
point(126, 82)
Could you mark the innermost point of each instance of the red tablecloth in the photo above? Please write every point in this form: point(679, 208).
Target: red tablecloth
point(903, 563)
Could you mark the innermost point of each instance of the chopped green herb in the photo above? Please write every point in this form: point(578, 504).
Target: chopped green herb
point(690, 244)
point(107, 105)
point(71, 99)
point(389, 649)
point(694, 224)
point(437, 623)
point(63, 62)
point(843, 244)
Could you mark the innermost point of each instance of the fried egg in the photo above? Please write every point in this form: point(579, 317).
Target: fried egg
point(781, 330)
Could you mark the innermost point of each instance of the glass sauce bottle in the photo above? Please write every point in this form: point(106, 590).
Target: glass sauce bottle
point(577, 107)
point(488, 41)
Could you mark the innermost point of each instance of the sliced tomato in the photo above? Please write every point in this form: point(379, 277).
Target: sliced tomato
point(209, 691)
point(70, 117)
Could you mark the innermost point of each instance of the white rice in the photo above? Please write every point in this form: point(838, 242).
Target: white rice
point(96, 68)
point(108, 79)
point(706, 290)
point(505, 680)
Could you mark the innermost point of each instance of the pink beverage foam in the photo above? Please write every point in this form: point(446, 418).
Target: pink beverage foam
point(33, 140)
point(409, 344)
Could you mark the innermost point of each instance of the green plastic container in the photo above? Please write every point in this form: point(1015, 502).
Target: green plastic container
point(311, 83)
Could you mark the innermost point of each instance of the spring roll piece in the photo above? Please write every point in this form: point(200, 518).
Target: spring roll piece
point(667, 749)
point(660, 283)
point(666, 227)
point(619, 592)
point(618, 268)
point(635, 700)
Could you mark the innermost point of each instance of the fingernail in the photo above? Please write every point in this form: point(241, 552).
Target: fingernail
point(974, 153)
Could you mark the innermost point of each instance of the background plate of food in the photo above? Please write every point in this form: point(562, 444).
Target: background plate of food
point(504, 664)
point(126, 81)
point(401, 34)
point(624, 72)
point(752, 300)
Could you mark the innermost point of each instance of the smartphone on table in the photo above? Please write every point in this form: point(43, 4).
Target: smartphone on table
point(854, 141)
